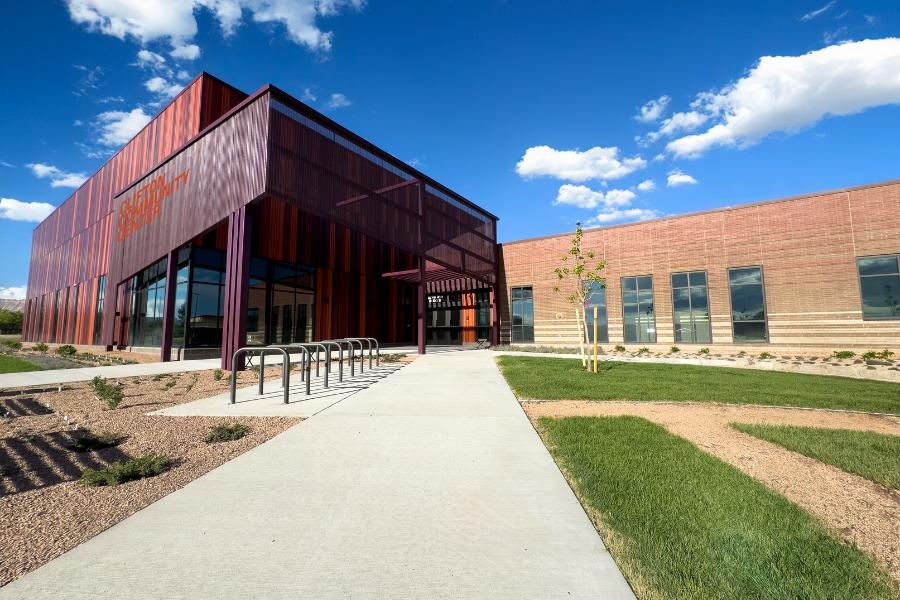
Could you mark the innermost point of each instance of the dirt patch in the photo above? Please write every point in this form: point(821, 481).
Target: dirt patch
point(858, 510)
point(45, 511)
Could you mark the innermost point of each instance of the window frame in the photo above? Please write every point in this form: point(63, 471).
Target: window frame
point(511, 318)
point(859, 279)
point(637, 289)
point(762, 277)
point(709, 308)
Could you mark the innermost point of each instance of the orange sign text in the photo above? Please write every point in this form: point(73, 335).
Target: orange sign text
point(143, 206)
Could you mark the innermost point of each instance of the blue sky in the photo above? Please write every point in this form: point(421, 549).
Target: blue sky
point(531, 109)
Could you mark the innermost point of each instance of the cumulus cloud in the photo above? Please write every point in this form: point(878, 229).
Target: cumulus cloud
point(116, 127)
point(789, 93)
point(337, 101)
point(163, 88)
point(648, 185)
point(57, 177)
point(148, 59)
point(13, 292)
point(175, 21)
point(597, 163)
point(584, 197)
point(676, 177)
point(628, 214)
point(653, 110)
point(16, 210)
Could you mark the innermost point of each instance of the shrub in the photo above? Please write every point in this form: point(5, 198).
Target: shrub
point(883, 355)
point(219, 373)
point(674, 349)
point(226, 433)
point(170, 384)
point(67, 350)
point(703, 350)
point(88, 441)
point(643, 350)
point(766, 355)
point(392, 358)
point(118, 472)
point(619, 348)
point(13, 344)
point(108, 392)
point(844, 354)
point(41, 347)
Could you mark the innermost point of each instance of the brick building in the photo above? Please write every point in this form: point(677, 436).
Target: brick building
point(813, 272)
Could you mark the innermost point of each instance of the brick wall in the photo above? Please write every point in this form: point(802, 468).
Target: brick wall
point(807, 247)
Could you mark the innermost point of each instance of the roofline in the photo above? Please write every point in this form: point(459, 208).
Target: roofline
point(843, 190)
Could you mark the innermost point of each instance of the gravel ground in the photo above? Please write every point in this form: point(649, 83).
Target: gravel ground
point(856, 509)
point(45, 511)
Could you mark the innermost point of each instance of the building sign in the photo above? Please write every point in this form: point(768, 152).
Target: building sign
point(143, 206)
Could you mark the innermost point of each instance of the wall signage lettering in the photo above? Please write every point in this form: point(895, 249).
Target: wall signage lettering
point(143, 206)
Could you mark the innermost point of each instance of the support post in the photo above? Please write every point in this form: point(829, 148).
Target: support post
point(237, 267)
point(495, 325)
point(168, 324)
point(421, 305)
point(596, 315)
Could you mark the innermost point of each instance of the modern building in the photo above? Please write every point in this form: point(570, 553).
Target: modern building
point(235, 219)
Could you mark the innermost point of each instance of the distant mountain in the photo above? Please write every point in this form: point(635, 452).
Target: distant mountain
point(14, 305)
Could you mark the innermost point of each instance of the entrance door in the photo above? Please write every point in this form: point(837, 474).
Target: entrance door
point(291, 305)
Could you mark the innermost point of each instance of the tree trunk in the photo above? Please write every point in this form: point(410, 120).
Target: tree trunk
point(580, 321)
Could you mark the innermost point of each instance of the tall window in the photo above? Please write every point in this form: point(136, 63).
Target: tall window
point(596, 297)
point(690, 307)
point(73, 337)
point(879, 285)
point(148, 298)
point(748, 304)
point(98, 310)
point(637, 309)
point(522, 314)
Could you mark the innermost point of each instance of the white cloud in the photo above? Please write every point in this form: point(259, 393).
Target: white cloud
point(789, 93)
point(175, 21)
point(117, 127)
point(676, 177)
point(186, 52)
point(337, 101)
point(57, 177)
point(818, 12)
point(16, 210)
point(146, 58)
point(653, 110)
point(628, 214)
point(163, 88)
point(647, 185)
point(308, 95)
point(13, 292)
point(584, 197)
point(597, 163)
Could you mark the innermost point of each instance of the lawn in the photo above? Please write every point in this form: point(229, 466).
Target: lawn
point(11, 364)
point(874, 456)
point(682, 524)
point(564, 379)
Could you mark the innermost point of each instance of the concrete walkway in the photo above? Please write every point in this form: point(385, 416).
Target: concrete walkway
point(430, 483)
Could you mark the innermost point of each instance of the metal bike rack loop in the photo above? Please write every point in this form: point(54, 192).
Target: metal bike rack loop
point(377, 352)
point(362, 358)
point(340, 348)
point(261, 352)
point(305, 359)
point(350, 354)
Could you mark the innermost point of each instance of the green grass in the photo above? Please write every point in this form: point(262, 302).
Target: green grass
point(564, 379)
point(11, 364)
point(684, 525)
point(871, 455)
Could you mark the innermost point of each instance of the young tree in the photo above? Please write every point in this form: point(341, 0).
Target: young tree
point(577, 274)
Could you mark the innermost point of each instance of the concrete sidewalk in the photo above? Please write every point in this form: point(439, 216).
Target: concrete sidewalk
point(430, 483)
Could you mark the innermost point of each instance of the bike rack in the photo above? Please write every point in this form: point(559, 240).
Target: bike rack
point(305, 360)
point(340, 348)
point(362, 358)
point(377, 352)
point(350, 353)
point(261, 352)
point(318, 346)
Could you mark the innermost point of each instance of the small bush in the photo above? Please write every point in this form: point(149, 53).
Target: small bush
point(107, 392)
point(844, 354)
point(41, 347)
point(226, 433)
point(170, 384)
point(883, 355)
point(88, 441)
point(13, 344)
point(674, 349)
point(218, 374)
point(67, 350)
point(643, 350)
point(703, 351)
point(118, 472)
point(392, 358)
point(766, 355)
point(619, 348)
point(741, 354)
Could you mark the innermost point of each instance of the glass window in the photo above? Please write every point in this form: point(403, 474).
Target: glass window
point(879, 286)
point(596, 297)
point(637, 309)
point(148, 293)
point(690, 308)
point(748, 304)
point(522, 314)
